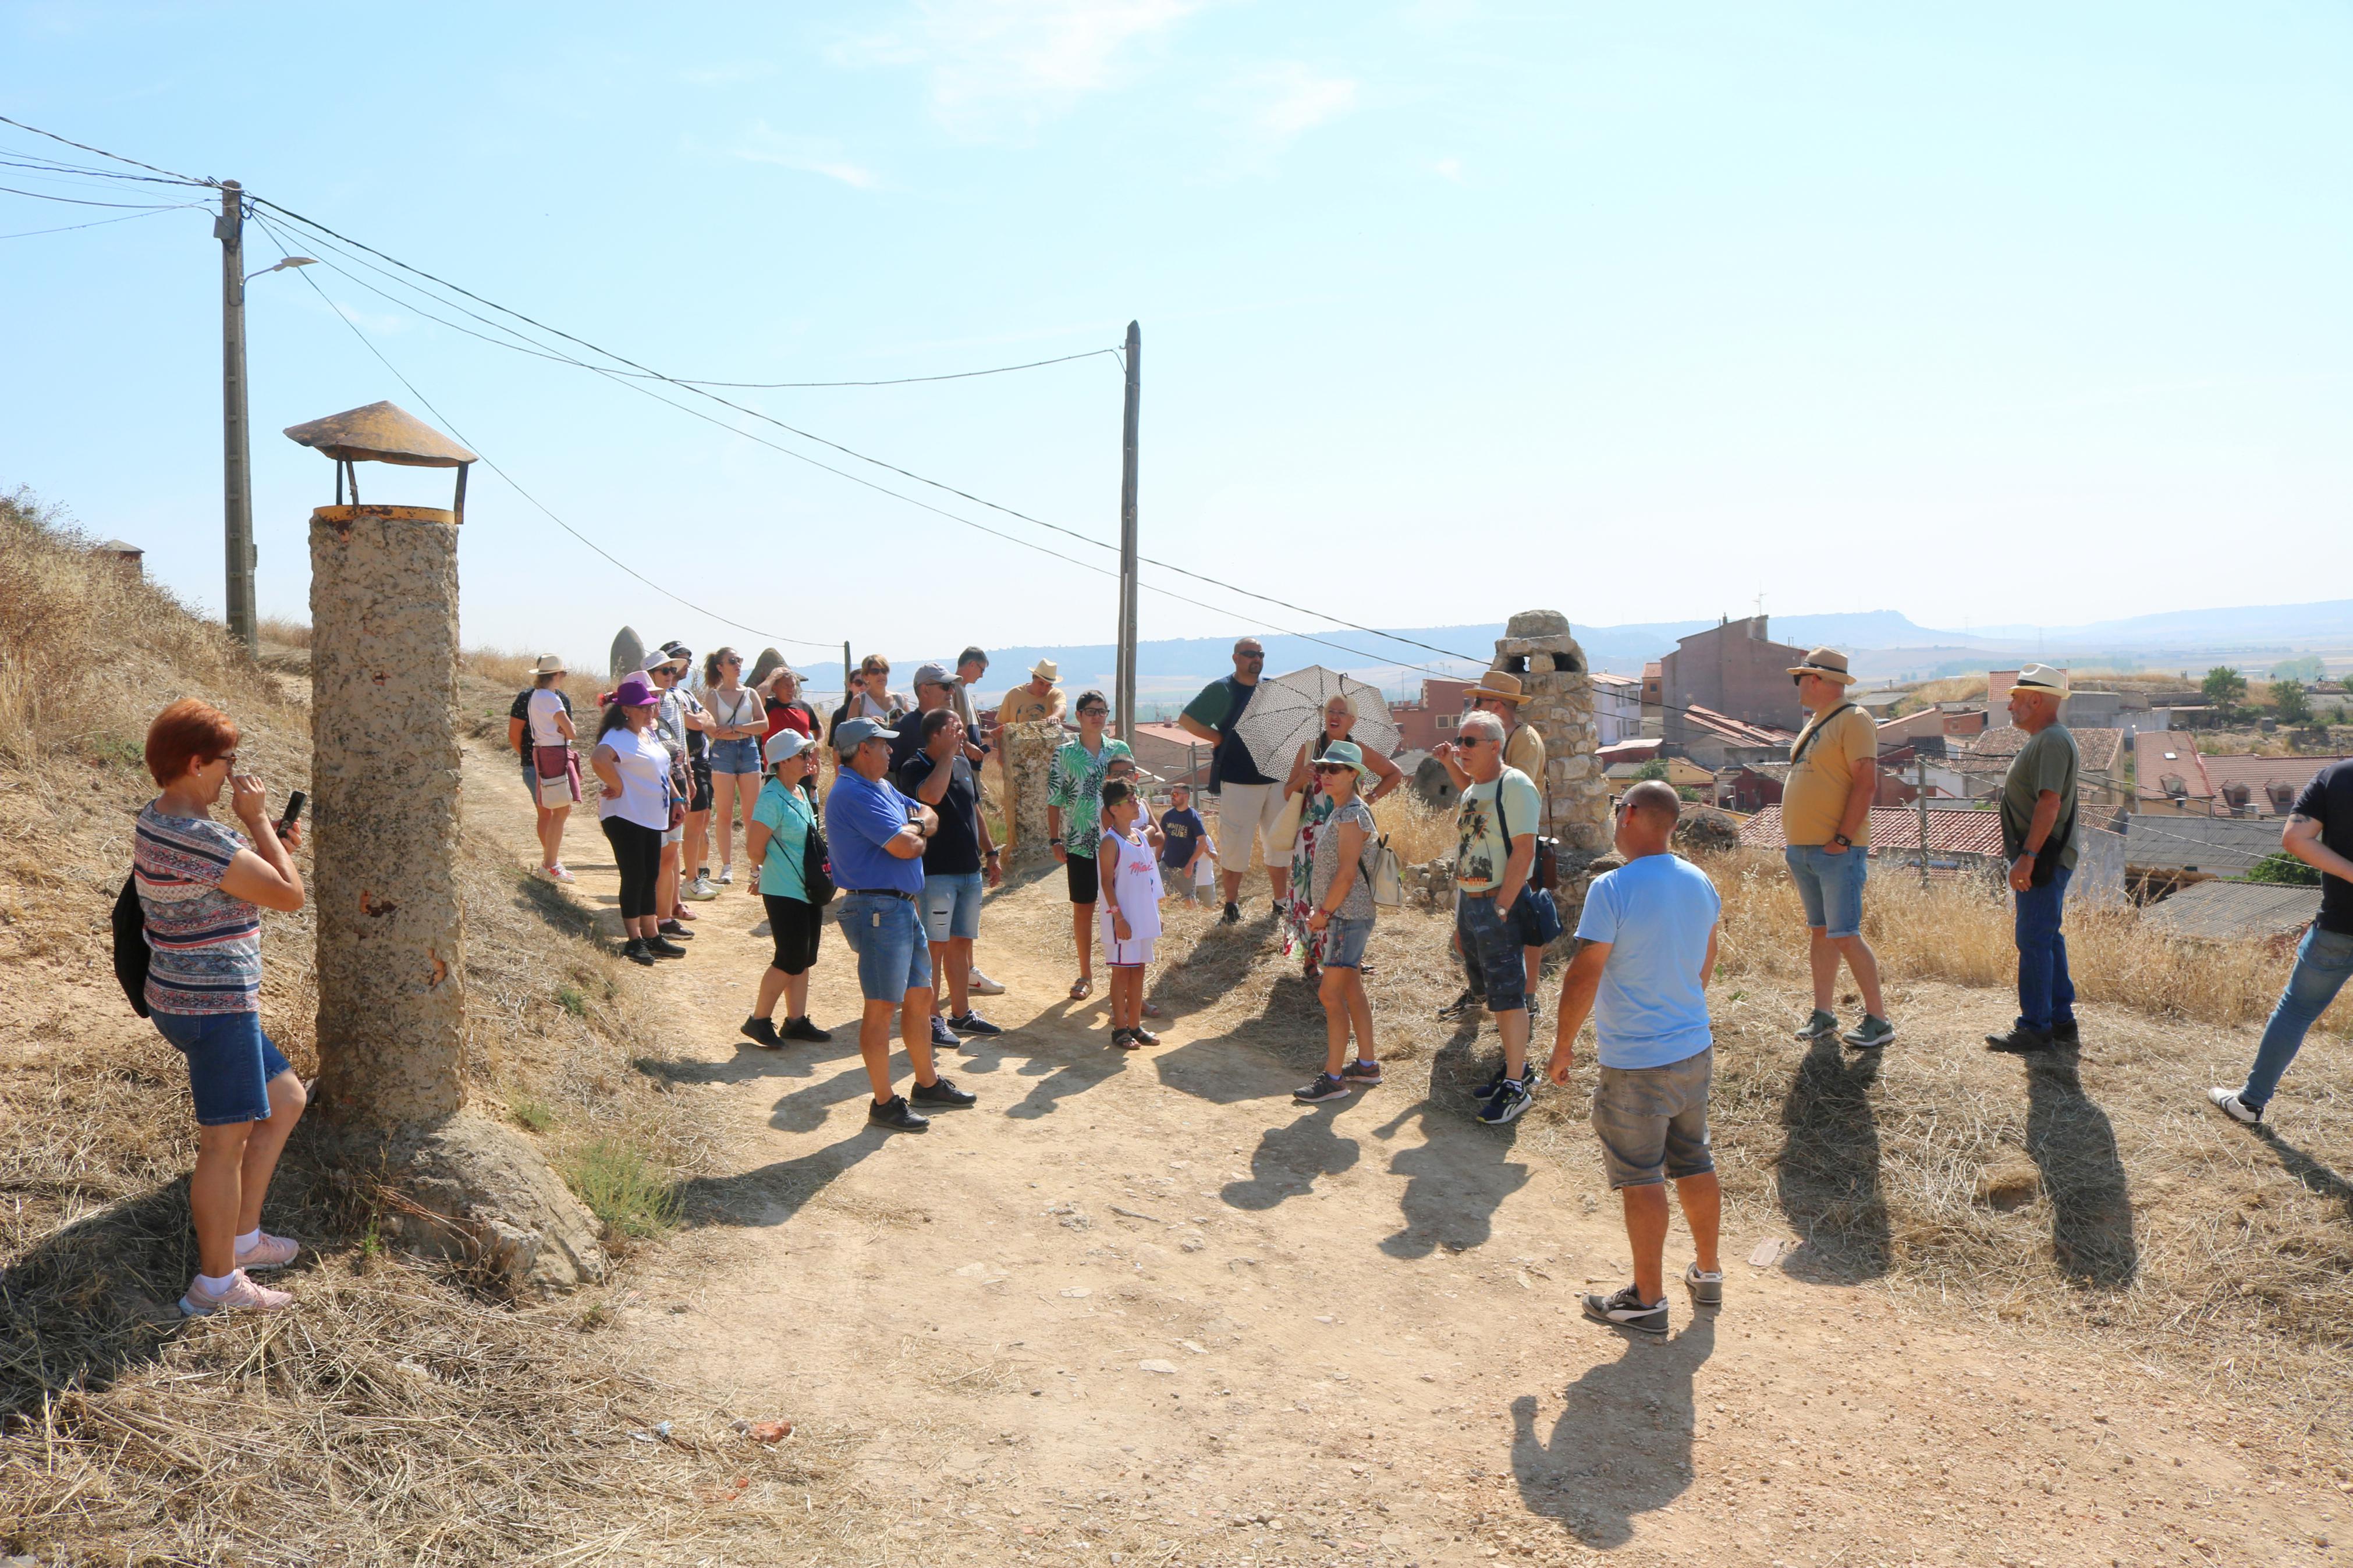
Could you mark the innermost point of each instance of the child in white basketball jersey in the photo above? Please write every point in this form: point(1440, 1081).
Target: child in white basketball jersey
point(1129, 877)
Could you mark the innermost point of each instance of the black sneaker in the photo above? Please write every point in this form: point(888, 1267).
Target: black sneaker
point(1626, 1310)
point(973, 1023)
point(1233, 915)
point(942, 1037)
point(2019, 1042)
point(1509, 1099)
point(634, 949)
point(1459, 1007)
point(762, 1032)
point(1362, 1074)
point(2066, 1034)
point(662, 947)
point(675, 929)
point(1325, 1085)
point(897, 1115)
point(1486, 1091)
point(800, 1028)
point(943, 1095)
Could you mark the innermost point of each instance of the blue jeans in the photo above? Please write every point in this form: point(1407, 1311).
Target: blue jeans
point(2046, 996)
point(887, 935)
point(951, 904)
point(1490, 946)
point(1830, 886)
point(230, 1063)
point(2323, 962)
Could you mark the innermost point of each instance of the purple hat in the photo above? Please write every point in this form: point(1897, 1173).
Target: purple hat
point(636, 691)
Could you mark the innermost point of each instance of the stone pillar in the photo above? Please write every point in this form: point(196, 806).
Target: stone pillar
point(1025, 753)
point(391, 940)
point(1536, 648)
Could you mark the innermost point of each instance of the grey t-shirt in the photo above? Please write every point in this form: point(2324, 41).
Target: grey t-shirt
point(1358, 904)
point(2047, 761)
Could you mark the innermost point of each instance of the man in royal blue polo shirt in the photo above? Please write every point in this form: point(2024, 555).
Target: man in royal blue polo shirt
point(875, 837)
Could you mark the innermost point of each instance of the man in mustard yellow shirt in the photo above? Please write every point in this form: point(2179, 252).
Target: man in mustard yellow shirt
point(1035, 699)
point(1826, 818)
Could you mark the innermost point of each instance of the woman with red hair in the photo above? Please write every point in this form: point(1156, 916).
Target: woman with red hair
point(202, 888)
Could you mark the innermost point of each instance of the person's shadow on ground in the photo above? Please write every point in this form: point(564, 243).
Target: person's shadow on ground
point(1622, 1443)
point(1454, 1181)
point(95, 1298)
point(1288, 1158)
point(2070, 1143)
point(2316, 1177)
point(772, 1194)
point(1828, 1178)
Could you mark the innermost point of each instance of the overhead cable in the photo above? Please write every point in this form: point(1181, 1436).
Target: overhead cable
point(117, 157)
point(94, 223)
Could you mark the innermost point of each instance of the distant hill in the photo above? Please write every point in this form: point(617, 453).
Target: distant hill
point(1884, 643)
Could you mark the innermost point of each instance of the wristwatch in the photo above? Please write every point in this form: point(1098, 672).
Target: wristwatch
point(1842, 840)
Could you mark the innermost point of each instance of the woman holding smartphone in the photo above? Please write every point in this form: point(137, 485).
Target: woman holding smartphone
point(202, 888)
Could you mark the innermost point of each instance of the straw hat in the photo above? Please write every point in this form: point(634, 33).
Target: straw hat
point(2042, 677)
point(549, 664)
point(1826, 662)
point(1498, 683)
point(1045, 669)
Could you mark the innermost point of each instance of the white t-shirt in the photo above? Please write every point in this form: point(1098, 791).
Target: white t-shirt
point(1135, 888)
point(643, 763)
point(545, 704)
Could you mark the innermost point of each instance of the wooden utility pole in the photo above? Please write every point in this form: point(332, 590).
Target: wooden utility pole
point(1124, 681)
point(237, 448)
point(1920, 783)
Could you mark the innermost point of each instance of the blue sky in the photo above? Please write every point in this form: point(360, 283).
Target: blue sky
point(1989, 314)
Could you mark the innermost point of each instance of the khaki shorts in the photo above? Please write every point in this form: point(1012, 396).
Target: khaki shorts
point(1652, 1121)
point(1248, 812)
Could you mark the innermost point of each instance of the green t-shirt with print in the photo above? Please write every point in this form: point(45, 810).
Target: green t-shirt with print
point(1076, 787)
point(1482, 852)
point(2047, 761)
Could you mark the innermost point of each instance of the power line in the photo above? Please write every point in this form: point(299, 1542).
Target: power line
point(95, 222)
point(700, 389)
point(86, 202)
point(895, 380)
point(510, 479)
point(117, 157)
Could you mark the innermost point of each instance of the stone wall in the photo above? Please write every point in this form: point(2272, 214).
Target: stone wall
point(1026, 754)
point(1536, 648)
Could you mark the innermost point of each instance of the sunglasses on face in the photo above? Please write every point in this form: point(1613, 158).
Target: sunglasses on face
point(1250, 656)
point(1469, 741)
point(1335, 768)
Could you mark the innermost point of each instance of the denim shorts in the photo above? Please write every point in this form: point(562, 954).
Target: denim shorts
point(1493, 942)
point(735, 756)
point(1652, 1121)
point(1344, 943)
point(230, 1063)
point(887, 935)
point(1830, 886)
point(952, 905)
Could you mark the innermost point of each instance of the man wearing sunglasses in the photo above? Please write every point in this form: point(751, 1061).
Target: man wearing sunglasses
point(1495, 849)
point(1249, 804)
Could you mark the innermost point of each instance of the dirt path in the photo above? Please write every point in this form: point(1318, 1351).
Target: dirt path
point(1143, 1310)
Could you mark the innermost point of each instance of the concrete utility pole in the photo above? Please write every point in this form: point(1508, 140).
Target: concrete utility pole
point(1124, 697)
point(237, 449)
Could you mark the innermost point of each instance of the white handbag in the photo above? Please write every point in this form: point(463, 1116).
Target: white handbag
point(1387, 877)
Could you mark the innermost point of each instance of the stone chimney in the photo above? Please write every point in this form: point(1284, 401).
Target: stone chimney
point(1537, 649)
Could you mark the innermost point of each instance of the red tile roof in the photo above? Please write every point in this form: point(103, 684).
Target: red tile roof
point(1949, 832)
point(2097, 748)
point(2260, 773)
point(1738, 730)
point(2151, 766)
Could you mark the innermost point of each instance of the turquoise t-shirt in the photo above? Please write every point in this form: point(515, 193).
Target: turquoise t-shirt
point(1656, 913)
point(786, 815)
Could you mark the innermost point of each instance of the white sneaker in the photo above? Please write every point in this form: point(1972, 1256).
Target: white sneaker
point(727, 876)
point(700, 889)
point(982, 986)
point(2228, 1102)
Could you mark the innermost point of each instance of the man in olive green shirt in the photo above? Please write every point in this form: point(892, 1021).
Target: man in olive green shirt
point(1826, 821)
point(2038, 838)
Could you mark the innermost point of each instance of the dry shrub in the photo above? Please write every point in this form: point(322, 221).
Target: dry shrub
point(1417, 830)
point(126, 1434)
point(1959, 930)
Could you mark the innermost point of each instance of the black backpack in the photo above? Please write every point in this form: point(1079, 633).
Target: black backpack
point(131, 952)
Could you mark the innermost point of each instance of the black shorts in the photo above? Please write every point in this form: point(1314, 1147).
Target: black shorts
point(1084, 874)
point(794, 926)
point(699, 799)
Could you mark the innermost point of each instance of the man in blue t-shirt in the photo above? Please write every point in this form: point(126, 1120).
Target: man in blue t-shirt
point(1645, 953)
point(875, 837)
point(1249, 804)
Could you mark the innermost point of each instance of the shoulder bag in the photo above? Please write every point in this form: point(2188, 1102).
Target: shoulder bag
point(131, 953)
point(1534, 911)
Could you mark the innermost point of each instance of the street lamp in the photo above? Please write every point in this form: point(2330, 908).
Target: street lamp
point(280, 267)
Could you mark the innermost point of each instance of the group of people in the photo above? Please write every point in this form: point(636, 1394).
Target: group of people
point(901, 839)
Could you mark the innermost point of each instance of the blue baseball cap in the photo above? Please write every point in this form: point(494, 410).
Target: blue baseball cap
point(852, 733)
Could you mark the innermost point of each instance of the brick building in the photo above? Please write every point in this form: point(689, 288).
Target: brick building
point(1732, 669)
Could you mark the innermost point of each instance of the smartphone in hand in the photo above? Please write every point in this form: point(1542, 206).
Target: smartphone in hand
point(293, 812)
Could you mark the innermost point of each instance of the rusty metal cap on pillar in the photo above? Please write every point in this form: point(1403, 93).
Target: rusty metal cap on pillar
point(380, 432)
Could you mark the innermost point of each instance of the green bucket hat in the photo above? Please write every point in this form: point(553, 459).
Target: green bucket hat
point(1348, 752)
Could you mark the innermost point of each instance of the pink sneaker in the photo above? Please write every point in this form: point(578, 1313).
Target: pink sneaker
point(241, 1296)
point(269, 1252)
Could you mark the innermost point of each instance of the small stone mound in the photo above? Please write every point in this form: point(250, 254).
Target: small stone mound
point(1705, 830)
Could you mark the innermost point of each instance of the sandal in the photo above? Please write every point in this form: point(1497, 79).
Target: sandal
point(1082, 988)
point(1152, 1009)
point(1125, 1040)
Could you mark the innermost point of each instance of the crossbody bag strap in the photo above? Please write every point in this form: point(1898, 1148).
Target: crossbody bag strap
point(1806, 741)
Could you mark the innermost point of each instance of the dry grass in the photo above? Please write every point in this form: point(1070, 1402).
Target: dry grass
point(1960, 932)
point(398, 1416)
